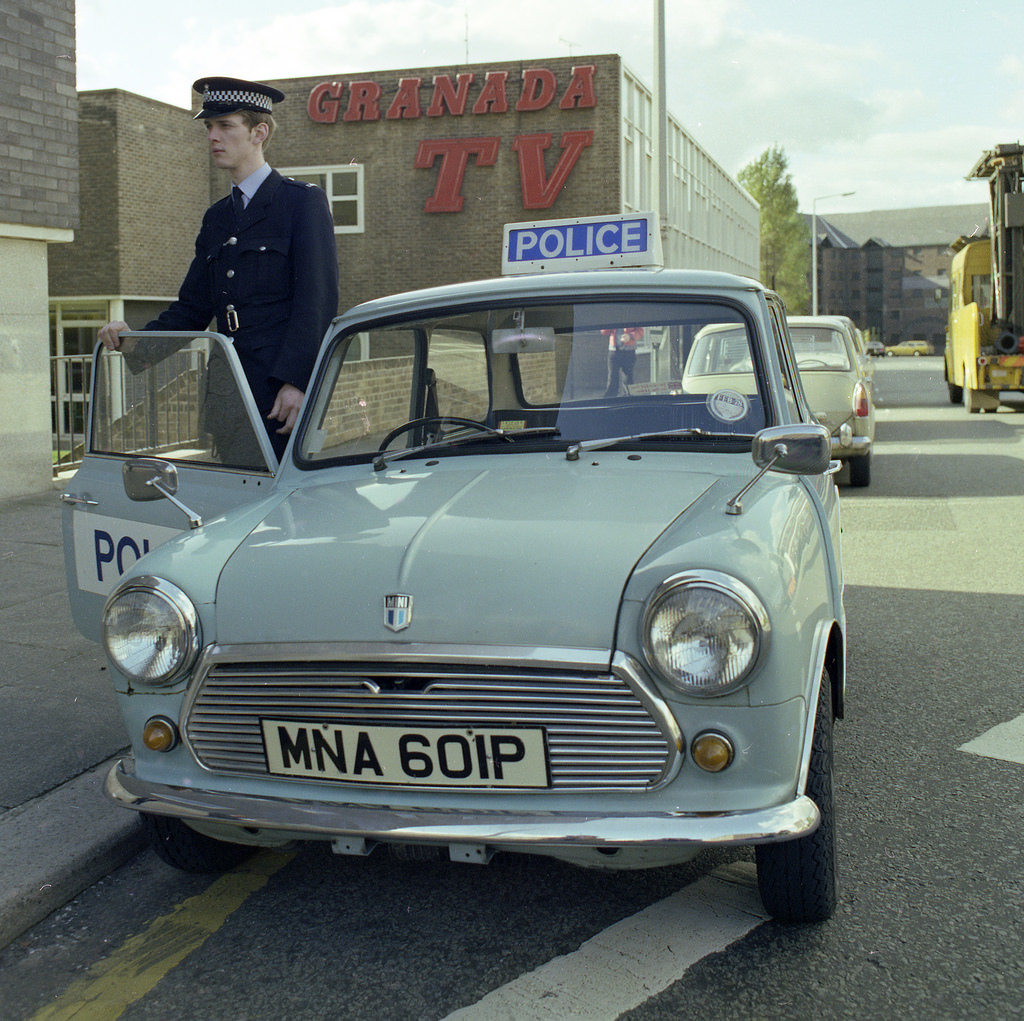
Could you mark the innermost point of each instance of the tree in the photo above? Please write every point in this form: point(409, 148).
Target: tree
point(785, 237)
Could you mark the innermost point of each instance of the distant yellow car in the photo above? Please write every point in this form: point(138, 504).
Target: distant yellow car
point(910, 347)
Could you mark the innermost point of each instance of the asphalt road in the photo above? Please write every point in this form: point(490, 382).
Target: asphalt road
point(930, 833)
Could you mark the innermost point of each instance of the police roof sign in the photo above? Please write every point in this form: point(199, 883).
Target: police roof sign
point(629, 240)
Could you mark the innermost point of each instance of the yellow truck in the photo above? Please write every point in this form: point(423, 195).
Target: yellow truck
point(985, 336)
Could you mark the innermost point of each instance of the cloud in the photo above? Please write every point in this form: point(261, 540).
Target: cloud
point(842, 98)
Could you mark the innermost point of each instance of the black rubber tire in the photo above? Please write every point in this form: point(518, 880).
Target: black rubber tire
point(798, 879)
point(956, 393)
point(185, 849)
point(860, 470)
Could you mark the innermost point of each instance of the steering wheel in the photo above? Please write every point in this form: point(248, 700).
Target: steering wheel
point(803, 362)
point(441, 421)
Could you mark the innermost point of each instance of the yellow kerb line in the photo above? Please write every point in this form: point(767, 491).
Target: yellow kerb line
point(143, 960)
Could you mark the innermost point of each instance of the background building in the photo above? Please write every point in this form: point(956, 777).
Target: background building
point(423, 168)
point(889, 270)
point(38, 207)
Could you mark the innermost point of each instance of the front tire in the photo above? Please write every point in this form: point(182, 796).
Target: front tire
point(797, 878)
point(181, 846)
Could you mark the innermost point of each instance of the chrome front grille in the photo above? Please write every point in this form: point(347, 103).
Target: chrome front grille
point(601, 734)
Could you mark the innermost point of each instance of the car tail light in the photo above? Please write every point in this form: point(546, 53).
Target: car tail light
point(861, 403)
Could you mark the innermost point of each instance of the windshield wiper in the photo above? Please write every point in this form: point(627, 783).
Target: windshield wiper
point(573, 451)
point(381, 461)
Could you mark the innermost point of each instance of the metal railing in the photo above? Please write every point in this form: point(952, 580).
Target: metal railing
point(70, 382)
point(153, 410)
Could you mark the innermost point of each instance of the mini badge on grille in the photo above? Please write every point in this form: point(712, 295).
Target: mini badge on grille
point(397, 612)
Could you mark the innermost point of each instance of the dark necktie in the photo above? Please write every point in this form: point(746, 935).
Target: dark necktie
point(237, 201)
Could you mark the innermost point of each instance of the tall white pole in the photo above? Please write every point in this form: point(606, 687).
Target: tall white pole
point(660, 115)
point(814, 244)
point(814, 257)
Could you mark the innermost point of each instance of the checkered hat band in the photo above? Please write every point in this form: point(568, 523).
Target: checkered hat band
point(238, 97)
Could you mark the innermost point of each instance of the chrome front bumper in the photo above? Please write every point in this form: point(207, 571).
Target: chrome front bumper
point(329, 820)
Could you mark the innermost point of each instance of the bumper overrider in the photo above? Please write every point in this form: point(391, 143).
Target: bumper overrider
point(333, 820)
point(851, 445)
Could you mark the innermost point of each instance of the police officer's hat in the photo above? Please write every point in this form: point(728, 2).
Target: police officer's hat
point(222, 96)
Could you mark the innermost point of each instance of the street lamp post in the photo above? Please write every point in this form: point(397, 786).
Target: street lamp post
point(814, 244)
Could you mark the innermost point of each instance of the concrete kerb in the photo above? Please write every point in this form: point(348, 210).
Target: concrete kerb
point(57, 845)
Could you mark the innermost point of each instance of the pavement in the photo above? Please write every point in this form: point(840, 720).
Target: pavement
point(60, 731)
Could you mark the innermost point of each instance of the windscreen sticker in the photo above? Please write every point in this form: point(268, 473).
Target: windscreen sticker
point(728, 405)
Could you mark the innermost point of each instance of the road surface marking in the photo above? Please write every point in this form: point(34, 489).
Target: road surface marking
point(1005, 741)
point(142, 961)
point(633, 960)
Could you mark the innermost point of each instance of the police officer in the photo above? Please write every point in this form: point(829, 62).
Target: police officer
point(265, 265)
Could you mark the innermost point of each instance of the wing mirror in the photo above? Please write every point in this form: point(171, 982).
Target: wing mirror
point(801, 449)
point(793, 449)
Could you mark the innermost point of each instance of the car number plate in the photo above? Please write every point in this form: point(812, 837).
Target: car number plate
point(404, 756)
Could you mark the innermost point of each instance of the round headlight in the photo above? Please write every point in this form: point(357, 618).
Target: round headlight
point(703, 632)
point(150, 630)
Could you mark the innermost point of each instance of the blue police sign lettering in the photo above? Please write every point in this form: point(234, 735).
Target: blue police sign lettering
point(587, 242)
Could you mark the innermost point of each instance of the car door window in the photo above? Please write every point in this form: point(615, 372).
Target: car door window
point(175, 398)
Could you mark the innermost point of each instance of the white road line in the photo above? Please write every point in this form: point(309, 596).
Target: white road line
point(633, 960)
point(1005, 741)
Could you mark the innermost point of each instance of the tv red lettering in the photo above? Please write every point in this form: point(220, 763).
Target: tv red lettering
point(325, 102)
point(455, 154)
point(363, 102)
point(406, 103)
point(448, 95)
point(540, 191)
point(539, 86)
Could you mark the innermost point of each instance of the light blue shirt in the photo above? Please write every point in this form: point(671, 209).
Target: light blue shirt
point(252, 183)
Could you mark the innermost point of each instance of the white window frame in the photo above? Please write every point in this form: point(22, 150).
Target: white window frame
point(329, 173)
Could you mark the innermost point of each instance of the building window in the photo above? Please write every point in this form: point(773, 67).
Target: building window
point(344, 189)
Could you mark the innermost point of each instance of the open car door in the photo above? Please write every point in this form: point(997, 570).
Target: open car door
point(174, 439)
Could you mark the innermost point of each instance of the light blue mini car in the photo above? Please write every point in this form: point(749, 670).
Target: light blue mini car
point(551, 566)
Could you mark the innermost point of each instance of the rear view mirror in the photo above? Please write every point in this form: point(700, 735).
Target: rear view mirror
point(510, 342)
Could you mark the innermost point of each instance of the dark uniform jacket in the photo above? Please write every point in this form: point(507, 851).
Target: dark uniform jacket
point(269, 280)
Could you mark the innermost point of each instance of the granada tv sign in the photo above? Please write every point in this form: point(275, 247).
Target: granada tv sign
point(451, 158)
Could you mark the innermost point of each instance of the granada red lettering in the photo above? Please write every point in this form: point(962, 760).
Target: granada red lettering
point(447, 95)
point(538, 89)
point(363, 102)
point(580, 92)
point(406, 103)
point(493, 97)
point(325, 102)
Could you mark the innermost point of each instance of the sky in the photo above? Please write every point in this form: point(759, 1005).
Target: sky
point(893, 101)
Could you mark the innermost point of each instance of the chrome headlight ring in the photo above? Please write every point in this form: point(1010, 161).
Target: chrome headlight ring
point(151, 631)
point(703, 632)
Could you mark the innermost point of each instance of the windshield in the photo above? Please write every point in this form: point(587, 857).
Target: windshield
point(549, 374)
point(819, 347)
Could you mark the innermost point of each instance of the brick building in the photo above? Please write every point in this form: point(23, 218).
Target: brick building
point(423, 167)
point(889, 270)
point(38, 209)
